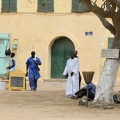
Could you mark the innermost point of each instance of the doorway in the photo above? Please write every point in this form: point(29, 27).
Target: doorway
point(60, 51)
point(4, 42)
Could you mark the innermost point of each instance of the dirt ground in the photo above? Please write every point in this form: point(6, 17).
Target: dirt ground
point(49, 103)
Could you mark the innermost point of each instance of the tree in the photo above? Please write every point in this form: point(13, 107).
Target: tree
point(108, 9)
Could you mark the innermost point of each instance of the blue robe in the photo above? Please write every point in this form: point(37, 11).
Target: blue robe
point(33, 72)
point(91, 87)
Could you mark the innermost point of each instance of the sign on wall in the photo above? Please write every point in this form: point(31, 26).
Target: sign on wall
point(110, 53)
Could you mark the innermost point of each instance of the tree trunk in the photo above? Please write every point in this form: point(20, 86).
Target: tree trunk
point(104, 91)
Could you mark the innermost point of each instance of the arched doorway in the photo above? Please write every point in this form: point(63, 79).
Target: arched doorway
point(59, 54)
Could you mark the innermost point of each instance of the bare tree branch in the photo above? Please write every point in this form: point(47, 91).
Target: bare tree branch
point(102, 13)
point(107, 25)
point(95, 9)
point(115, 2)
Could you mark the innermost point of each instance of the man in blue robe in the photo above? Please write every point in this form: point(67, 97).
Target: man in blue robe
point(32, 70)
point(83, 92)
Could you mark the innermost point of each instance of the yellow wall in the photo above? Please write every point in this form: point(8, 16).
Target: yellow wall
point(27, 6)
point(37, 31)
point(62, 6)
point(30, 6)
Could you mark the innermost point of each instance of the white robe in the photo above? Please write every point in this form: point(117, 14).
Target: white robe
point(72, 84)
point(11, 63)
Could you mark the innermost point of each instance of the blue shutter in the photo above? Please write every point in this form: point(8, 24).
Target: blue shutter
point(41, 5)
point(49, 5)
point(79, 6)
point(75, 5)
point(110, 41)
point(13, 5)
point(4, 39)
point(5, 5)
point(83, 7)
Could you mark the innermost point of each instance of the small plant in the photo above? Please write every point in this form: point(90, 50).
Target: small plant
point(6, 75)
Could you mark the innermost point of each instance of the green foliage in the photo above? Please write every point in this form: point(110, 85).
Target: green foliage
point(6, 75)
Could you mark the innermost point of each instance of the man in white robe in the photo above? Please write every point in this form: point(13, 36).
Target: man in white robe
point(72, 69)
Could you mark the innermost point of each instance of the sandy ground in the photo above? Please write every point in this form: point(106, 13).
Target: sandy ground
point(49, 103)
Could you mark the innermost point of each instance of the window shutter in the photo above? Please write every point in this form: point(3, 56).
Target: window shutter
point(49, 5)
point(82, 7)
point(79, 6)
point(41, 5)
point(5, 5)
point(75, 5)
point(110, 40)
point(13, 5)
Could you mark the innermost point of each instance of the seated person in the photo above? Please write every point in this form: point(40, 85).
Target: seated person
point(83, 92)
point(12, 64)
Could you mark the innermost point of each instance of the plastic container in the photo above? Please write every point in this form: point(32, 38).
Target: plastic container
point(2, 85)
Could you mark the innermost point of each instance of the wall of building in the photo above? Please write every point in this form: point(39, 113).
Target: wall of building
point(37, 31)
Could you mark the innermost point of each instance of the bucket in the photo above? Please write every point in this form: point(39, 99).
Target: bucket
point(2, 85)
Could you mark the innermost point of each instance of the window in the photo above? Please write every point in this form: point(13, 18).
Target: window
point(78, 6)
point(110, 40)
point(45, 5)
point(9, 5)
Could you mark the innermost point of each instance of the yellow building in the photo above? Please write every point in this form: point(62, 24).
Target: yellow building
point(52, 28)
